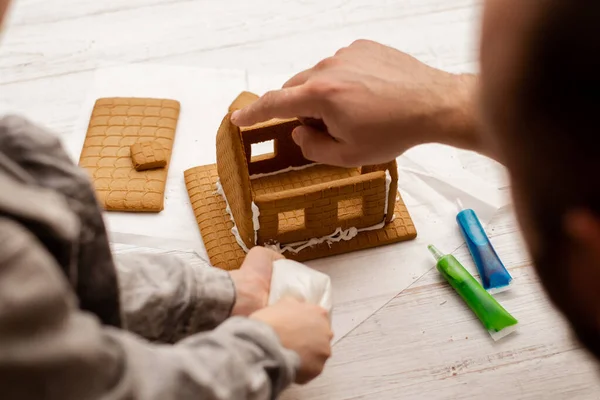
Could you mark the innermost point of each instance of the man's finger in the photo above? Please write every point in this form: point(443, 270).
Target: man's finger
point(298, 79)
point(318, 146)
point(285, 103)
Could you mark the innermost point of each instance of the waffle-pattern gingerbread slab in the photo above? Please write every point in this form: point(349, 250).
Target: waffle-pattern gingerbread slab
point(148, 155)
point(116, 124)
point(215, 223)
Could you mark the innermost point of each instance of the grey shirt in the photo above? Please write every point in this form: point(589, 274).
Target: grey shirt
point(77, 324)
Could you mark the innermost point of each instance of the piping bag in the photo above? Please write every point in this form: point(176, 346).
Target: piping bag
point(498, 322)
point(292, 279)
point(494, 276)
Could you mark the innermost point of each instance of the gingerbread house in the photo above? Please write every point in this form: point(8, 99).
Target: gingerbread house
point(284, 201)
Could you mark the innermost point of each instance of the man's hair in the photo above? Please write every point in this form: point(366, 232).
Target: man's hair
point(557, 109)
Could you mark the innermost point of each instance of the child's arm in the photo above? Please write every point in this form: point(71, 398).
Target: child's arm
point(161, 297)
point(165, 298)
point(50, 349)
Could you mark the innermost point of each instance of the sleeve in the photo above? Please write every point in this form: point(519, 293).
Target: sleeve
point(165, 298)
point(51, 350)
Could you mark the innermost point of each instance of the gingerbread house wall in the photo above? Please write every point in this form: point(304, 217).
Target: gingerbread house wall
point(392, 168)
point(322, 207)
point(243, 100)
point(234, 178)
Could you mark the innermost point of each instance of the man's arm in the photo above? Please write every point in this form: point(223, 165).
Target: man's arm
point(375, 102)
point(49, 349)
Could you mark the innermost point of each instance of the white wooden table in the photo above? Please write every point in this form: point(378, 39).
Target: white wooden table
point(424, 343)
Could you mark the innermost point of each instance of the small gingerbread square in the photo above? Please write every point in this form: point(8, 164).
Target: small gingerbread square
point(148, 155)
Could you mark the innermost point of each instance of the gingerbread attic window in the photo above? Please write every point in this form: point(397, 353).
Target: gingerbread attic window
point(284, 201)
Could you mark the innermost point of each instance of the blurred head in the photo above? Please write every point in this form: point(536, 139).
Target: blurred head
point(540, 100)
point(3, 8)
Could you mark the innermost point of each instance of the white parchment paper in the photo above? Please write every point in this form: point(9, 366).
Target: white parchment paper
point(432, 178)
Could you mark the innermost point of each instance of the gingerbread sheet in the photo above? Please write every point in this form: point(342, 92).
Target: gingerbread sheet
point(115, 125)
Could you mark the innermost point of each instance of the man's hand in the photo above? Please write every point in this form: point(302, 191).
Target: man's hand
point(372, 103)
point(303, 328)
point(253, 281)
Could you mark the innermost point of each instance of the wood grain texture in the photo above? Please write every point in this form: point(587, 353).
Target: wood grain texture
point(424, 344)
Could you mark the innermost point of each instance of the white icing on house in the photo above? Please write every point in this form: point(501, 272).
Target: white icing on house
point(337, 236)
point(238, 238)
point(234, 230)
point(282, 171)
point(255, 221)
point(388, 183)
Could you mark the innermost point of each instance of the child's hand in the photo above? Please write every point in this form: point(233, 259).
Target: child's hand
point(303, 328)
point(253, 281)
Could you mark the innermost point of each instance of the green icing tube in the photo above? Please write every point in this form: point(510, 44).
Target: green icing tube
point(492, 315)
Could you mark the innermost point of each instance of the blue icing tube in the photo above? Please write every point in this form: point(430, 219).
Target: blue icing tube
point(494, 276)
